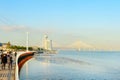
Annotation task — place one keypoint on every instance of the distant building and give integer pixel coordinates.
(47, 43)
(51, 45)
(4, 46)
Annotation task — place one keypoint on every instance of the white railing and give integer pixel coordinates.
(16, 65)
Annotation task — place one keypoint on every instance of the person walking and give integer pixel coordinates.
(10, 61)
(1, 61)
(4, 60)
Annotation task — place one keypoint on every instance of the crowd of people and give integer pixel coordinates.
(6, 59)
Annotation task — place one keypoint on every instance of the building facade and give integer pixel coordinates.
(47, 43)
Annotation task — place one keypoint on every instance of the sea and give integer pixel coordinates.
(73, 65)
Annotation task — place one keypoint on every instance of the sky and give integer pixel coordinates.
(93, 22)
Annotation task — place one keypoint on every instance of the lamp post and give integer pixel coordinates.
(27, 42)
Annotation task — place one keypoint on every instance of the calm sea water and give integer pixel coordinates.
(73, 65)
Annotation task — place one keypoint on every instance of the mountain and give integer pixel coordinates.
(74, 45)
(80, 45)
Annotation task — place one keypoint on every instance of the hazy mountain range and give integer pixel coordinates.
(75, 45)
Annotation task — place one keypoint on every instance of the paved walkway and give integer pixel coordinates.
(7, 74)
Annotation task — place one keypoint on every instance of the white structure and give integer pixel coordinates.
(27, 42)
(47, 43)
(51, 45)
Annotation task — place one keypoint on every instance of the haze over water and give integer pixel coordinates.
(93, 22)
(70, 24)
(73, 65)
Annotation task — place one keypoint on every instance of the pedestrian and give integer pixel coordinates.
(4, 60)
(1, 60)
(15, 54)
(10, 61)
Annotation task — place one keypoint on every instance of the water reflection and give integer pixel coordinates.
(67, 67)
(60, 60)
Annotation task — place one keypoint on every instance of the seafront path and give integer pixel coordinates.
(7, 74)
(13, 74)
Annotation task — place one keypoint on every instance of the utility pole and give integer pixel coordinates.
(27, 42)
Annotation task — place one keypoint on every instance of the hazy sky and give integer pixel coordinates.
(94, 22)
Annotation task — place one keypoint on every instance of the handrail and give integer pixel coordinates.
(16, 66)
(21, 58)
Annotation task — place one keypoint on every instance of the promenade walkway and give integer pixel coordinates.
(7, 74)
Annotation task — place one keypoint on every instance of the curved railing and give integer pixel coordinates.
(21, 58)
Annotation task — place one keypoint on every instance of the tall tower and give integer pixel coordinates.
(50, 45)
(45, 42)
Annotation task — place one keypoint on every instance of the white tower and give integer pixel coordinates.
(50, 44)
(45, 42)
(27, 41)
